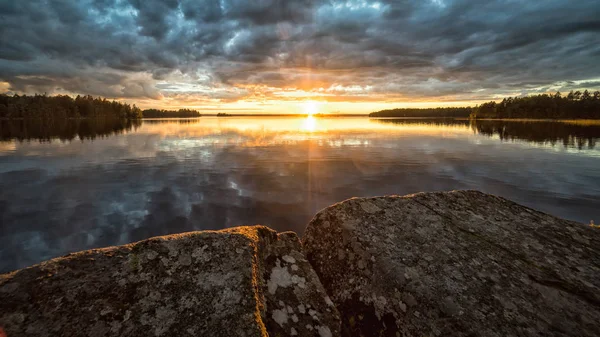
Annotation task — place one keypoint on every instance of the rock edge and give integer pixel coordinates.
(243, 281)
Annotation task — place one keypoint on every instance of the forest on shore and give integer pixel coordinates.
(575, 105)
(64, 106)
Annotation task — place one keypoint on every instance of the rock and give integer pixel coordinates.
(245, 281)
(459, 263)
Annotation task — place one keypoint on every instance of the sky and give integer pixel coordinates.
(295, 56)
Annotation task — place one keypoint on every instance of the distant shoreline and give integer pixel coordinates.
(284, 115)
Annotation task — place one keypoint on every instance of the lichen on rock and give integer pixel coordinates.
(295, 304)
(206, 283)
(458, 263)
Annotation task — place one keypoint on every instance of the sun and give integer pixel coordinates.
(310, 108)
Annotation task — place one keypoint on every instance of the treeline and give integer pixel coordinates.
(181, 113)
(576, 105)
(63, 106)
(428, 112)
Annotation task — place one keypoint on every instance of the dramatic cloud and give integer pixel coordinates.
(210, 53)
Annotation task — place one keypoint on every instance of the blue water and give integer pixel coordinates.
(62, 192)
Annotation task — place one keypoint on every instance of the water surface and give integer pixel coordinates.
(73, 185)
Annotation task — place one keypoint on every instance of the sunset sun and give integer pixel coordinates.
(310, 108)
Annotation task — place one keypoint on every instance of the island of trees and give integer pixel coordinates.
(575, 105)
(181, 113)
(63, 106)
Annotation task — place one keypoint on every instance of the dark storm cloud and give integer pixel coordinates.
(430, 48)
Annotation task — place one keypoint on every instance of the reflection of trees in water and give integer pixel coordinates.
(541, 132)
(172, 121)
(425, 121)
(64, 129)
(552, 132)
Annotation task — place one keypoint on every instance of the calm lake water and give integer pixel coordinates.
(74, 185)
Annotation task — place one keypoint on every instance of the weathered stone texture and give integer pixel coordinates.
(245, 281)
(459, 263)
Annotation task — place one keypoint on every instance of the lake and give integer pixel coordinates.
(78, 184)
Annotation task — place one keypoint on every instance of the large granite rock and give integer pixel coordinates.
(460, 263)
(247, 281)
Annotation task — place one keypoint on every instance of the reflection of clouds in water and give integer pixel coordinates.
(168, 178)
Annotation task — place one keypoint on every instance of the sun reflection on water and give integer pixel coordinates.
(309, 124)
